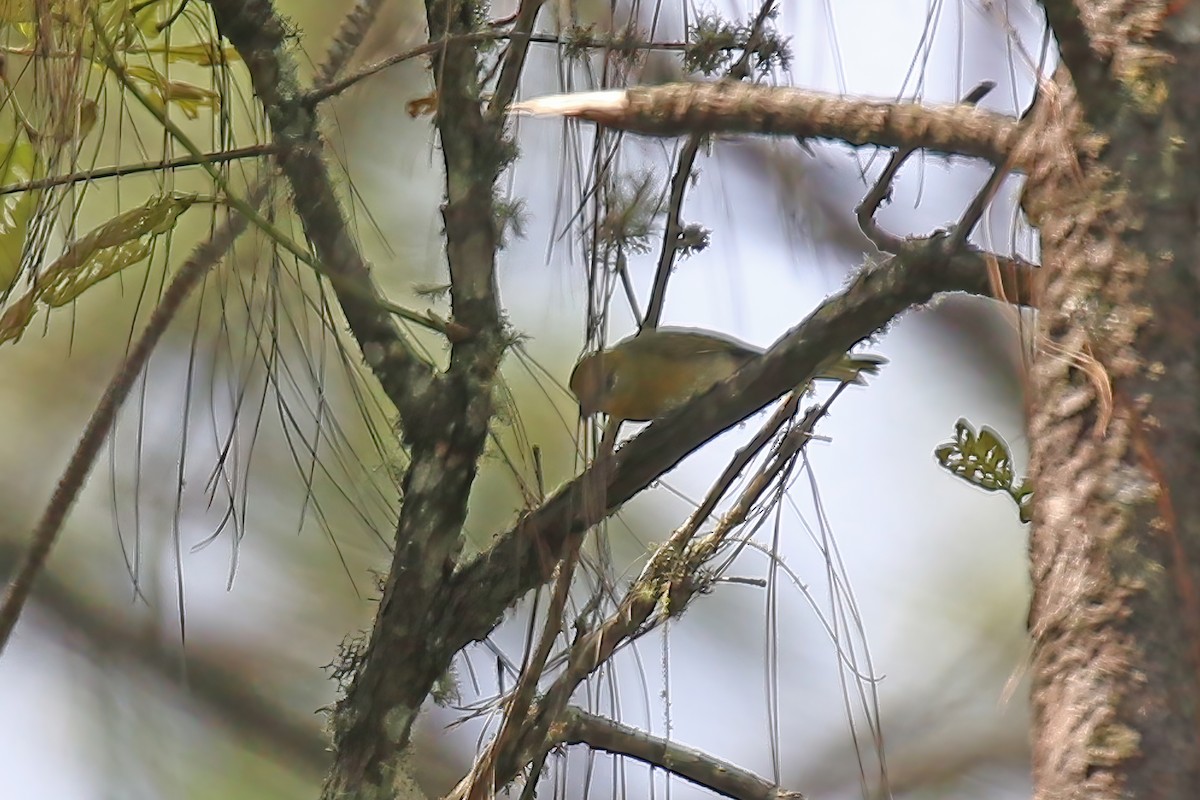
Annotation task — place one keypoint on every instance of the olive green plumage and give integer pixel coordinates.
(647, 375)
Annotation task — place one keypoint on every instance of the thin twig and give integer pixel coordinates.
(702, 769)
(216, 683)
(683, 177)
(514, 57)
(882, 190)
(332, 88)
(621, 45)
(667, 581)
(186, 279)
(121, 170)
(478, 783)
(974, 211)
(355, 26)
(189, 275)
(742, 458)
(874, 297)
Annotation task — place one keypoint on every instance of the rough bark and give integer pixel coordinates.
(1113, 427)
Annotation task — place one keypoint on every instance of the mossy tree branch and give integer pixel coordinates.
(430, 608)
(678, 109)
(516, 562)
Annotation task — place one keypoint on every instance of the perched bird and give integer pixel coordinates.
(647, 375)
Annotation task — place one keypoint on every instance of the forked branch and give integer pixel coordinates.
(702, 769)
(879, 293)
(667, 584)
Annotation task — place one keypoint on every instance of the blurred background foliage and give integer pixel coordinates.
(234, 534)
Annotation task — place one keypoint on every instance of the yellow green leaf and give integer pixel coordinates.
(77, 123)
(16, 317)
(145, 74)
(202, 54)
(189, 97)
(17, 11)
(88, 112)
(18, 163)
(191, 106)
(121, 242)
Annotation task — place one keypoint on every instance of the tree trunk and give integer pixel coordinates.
(1113, 428)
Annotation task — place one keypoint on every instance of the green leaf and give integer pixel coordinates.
(121, 242)
(980, 459)
(18, 164)
(189, 97)
(14, 12)
(202, 54)
(16, 317)
(983, 459)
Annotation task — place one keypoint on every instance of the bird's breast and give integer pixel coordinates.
(659, 385)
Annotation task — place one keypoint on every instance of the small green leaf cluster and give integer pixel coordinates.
(983, 459)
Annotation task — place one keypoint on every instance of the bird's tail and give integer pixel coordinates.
(854, 368)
